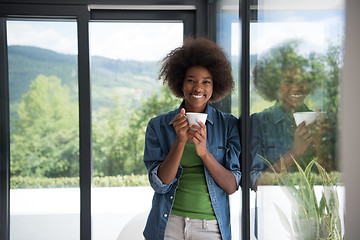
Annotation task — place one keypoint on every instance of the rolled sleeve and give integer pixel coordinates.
(257, 163)
(256, 167)
(156, 149)
(234, 150)
(237, 175)
(157, 184)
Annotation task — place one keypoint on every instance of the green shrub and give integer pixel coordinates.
(293, 178)
(18, 182)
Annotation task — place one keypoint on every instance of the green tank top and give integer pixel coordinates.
(192, 198)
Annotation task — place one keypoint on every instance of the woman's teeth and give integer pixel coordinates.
(297, 95)
(197, 96)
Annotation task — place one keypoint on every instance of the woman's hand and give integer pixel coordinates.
(302, 138)
(181, 126)
(222, 176)
(198, 136)
(318, 128)
(169, 167)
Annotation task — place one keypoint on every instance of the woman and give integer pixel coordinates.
(193, 169)
(286, 77)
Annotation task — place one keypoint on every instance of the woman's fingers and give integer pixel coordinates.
(181, 126)
(198, 132)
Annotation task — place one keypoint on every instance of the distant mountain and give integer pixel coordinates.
(26, 63)
(109, 78)
(126, 81)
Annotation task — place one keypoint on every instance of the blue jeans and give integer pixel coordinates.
(182, 228)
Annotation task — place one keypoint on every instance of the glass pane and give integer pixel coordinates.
(125, 95)
(228, 37)
(44, 161)
(296, 60)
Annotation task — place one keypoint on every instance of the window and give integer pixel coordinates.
(228, 37)
(44, 129)
(125, 61)
(295, 65)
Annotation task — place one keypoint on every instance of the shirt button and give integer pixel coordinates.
(165, 215)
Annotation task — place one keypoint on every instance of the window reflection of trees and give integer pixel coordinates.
(319, 74)
(309, 180)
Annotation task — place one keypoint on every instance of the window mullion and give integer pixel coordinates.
(4, 135)
(244, 7)
(84, 125)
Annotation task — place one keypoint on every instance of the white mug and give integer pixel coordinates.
(193, 116)
(307, 117)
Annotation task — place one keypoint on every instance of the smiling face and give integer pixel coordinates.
(292, 93)
(197, 88)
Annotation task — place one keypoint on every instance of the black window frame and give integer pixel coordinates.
(81, 15)
(245, 158)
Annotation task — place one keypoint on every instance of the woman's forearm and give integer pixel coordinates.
(222, 176)
(168, 169)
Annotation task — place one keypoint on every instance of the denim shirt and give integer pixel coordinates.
(272, 132)
(223, 142)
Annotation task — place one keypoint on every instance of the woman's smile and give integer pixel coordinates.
(197, 88)
(197, 96)
(296, 97)
(292, 94)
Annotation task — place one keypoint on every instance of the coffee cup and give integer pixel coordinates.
(308, 117)
(193, 117)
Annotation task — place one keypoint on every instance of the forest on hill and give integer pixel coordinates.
(44, 116)
(43, 88)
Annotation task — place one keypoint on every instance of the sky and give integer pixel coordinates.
(316, 31)
(152, 41)
(125, 41)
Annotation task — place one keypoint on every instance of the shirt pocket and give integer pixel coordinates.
(273, 153)
(220, 154)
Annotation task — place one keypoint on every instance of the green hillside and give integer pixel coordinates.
(110, 78)
(26, 63)
(44, 115)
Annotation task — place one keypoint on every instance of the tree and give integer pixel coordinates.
(322, 72)
(118, 140)
(151, 107)
(45, 138)
(109, 127)
(331, 86)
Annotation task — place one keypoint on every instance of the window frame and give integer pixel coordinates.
(49, 12)
(4, 136)
(245, 158)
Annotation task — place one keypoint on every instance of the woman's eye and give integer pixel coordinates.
(207, 82)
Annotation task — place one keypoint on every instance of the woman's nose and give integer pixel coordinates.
(197, 86)
(299, 85)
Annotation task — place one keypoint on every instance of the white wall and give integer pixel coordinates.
(350, 125)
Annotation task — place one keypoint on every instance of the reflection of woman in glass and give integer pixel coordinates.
(193, 172)
(287, 78)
